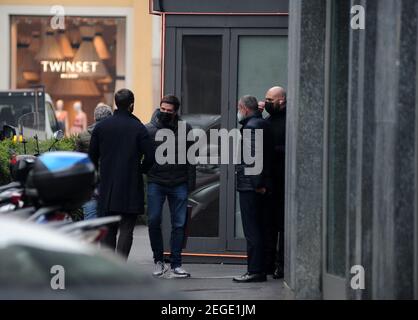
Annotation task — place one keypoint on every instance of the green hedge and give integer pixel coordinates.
(8, 147)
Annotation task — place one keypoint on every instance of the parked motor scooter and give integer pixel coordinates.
(12, 195)
(59, 182)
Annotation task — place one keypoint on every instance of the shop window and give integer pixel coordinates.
(80, 63)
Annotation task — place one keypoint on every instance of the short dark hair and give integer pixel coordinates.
(250, 102)
(171, 99)
(124, 98)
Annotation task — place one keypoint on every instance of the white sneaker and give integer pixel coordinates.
(179, 272)
(159, 269)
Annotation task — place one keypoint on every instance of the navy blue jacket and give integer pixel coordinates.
(122, 150)
(262, 180)
(171, 175)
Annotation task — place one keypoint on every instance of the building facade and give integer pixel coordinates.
(351, 197)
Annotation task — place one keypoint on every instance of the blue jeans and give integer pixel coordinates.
(177, 202)
(90, 209)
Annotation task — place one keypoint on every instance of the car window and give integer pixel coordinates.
(32, 121)
(10, 113)
(51, 116)
(14, 107)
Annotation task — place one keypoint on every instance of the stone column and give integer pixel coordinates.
(361, 148)
(305, 125)
(395, 154)
(382, 162)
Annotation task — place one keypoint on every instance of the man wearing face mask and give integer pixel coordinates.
(171, 181)
(121, 150)
(253, 188)
(273, 211)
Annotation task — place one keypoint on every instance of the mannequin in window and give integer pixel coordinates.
(62, 117)
(80, 120)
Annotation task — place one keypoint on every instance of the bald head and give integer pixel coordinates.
(276, 92)
(276, 97)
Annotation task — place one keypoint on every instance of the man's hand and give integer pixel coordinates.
(261, 190)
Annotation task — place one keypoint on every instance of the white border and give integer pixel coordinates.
(6, 11)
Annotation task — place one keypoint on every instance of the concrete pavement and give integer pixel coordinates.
(208, 281)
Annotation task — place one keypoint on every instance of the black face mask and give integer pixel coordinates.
(269, 107)
(165, 117)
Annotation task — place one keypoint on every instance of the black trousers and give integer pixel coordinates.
(273, 229)
(252, 226)
(126, 228)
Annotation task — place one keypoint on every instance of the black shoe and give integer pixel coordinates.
(278, 273)
(255, 277)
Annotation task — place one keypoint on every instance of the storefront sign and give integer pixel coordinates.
(69, 66)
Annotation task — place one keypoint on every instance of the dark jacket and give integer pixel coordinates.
(171, 175)
(82, 141)
(247, 182)
(122, 150)
(278, 129)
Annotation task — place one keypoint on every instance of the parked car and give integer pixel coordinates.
(31, 254)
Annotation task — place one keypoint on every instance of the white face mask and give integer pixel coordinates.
(240, 116)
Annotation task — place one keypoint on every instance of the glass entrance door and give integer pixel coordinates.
(201, 70)
(212, 68)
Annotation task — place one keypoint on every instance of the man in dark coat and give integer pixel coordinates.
(171, 181)
(122, 150)
(274, 206)
(253, 187)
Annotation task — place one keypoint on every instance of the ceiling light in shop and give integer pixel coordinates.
(65, 45)
(100, 45)
(87, 52)
(75, 37)
(25, 60)
(50, 50)
(31, 76)
(27, 69)
(77, 87)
